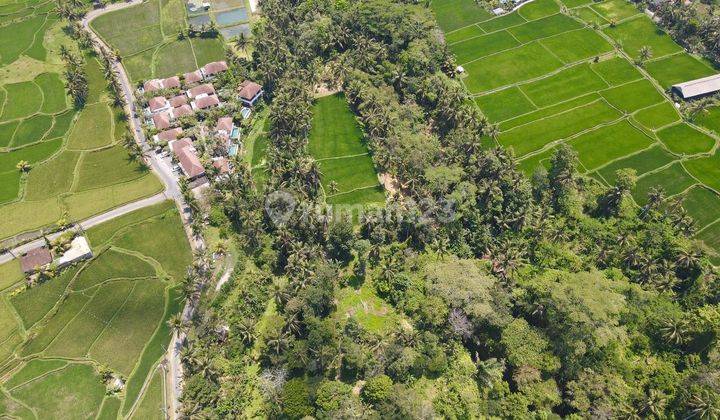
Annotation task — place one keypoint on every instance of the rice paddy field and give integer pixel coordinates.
(146, 36)
(565, 71)
(110, 312)
(78, 168)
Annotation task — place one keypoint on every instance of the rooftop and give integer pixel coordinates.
(187, 157)
(162, 120)
(37, 257)
(248, 90)
(157, 103)
(214, 67)
(79, 249)
(170, 134)
(204, 89)
(182, 110)
(698, 87)
(171, 82)
(206, 102)
(193, 77)
(152, 85)
(224, 124)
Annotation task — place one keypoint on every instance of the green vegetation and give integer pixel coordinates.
(685, 140)
(636, 33)
(672, 179)
(678, 68)
(119, 298)
(703, 205)
(608, 143)
(454, 14)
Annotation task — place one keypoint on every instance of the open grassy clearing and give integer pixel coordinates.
(710, 119)
(539, 9)
(574, 46)
(643, 162)
(93, 128)
(481, 46)
(454, 14)
(32, 130)
(152, 406)
(702, 204)
(636, 33)
(706, 169)
(616, 71)
(608, 143)
(685, 140)
(115, 301)
(673, 179)
(657, 116)
(53, 178)
(562, 86)
(336, 140)
(590, 16)
(9, 186)
(505, 104)
(711, 236)
(548, 111)
(678, 68)
(615, 10)
(633, 96)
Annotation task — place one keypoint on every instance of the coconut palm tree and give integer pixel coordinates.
(241, 42)
(644, 54)
(23, 166)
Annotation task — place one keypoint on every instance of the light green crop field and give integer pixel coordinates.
(567, 80)
(336, 141)
(40, 125)
(146, 36)
(120, 299)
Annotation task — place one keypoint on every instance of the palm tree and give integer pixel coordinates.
(241, 42)
(333, 187)
(23, 166)
(177, 324)
(644, 54)
(703, 406)
(674, 331)
(489, 371)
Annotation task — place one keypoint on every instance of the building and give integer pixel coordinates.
(226, 127)
(161, 120)
(222, 165)
(211, 69)
(152, 85)
(35, 258)
(249, 92)
(698, 87)
(168, 135)
(178, 100)
(192, 77)
(158, 104)
(187, 158)
(201, 90)
(205, 102)
(182, 111)
(171, 82)
(79, 250)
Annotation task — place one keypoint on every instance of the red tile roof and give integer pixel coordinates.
(162, 120)
(171, 82)
(224, 124)
(152, 85)
(188, 159)
(215, 67)
(182, 110)
(179, 100)
(248, 90)
(207, 102)
(157, 103)
(204, 89)
(193, 77)
(37, 257)
(170, 134)
(222, 164)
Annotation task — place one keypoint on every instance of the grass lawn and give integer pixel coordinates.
(706, 169)
(6, 132)
(131, 328)
(174, 58)
(107, 167)
(462, 34)
(615, 9)
(639, 32)
(454, 14)
(93, 128)
(685, 140)
(678, 68)
(101, 234)
(9, 186)
(112, 264)
(672, 179)
(539, 9)
(152, 237)
(633, 96)
(10, 274)
(533, 136)
(616, 71)
(32, 130)
(567, 84)
(152, 405)
(336, 140)
(366, 307)
(545, 27)
(110, 409)
(33, 369)
(643, 162)
(703, 205)
(502, 22)
(53, 178)
(16, 220)
(172, 16)
(128, 21)
(84, 204)
(657, 116)
(575, 3)
(53, 89)
(577, 45)
(502, 68)
(8, 322)
(607, 143)
(482, 46)
(550, 111)
(74, 392)
(34, 303)
(710, 119)
(504, 104)
(17, 37)
(335, 132)
(207, 50)
(590, 16)
(23, 99)
(711, 237)
(97, 84)
(139, 66)
(61, 124)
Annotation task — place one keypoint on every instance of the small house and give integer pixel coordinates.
(211, 69)
(186, 155)
(171, 82)
(201, 90)
(38, 257)
(205, 102)
(193, 77)
(249, 92)
(226, 127)
(168, 135)
(182, 111)
(79, 250)
(158, 104)
(161, 120)
(152, 85)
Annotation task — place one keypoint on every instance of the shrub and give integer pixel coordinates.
(377, 389)
(296, 399)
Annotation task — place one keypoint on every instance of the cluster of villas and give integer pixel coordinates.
(196, 93)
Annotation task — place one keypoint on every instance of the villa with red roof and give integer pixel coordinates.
(205, 102)
(168, 135)
(192, 77)
(211, 69)
(249, 92)
(201, 90)
(187, 158)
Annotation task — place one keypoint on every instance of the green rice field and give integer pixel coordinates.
(57, 336)
(549, 76)
(146, 36)
(77, 169)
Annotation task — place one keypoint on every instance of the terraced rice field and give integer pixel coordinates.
(109, 312)
(63, 145)
(146, 37)
(548, 77)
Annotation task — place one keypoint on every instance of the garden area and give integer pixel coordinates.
(548, 77)
(152, 40)
(61, 338)
(56, 159)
